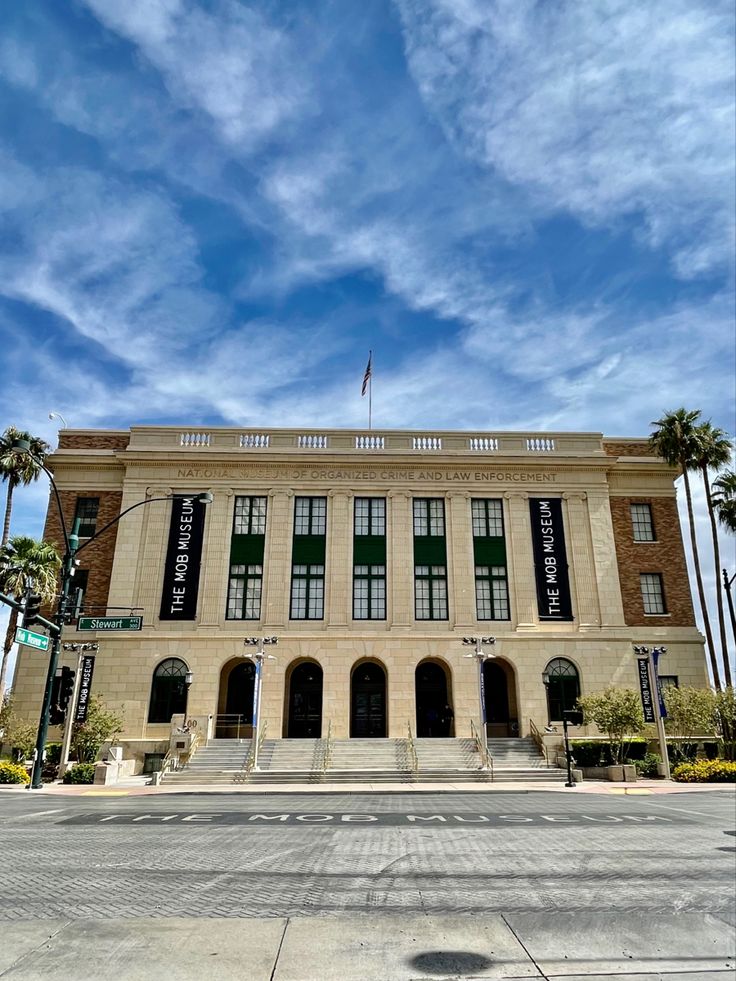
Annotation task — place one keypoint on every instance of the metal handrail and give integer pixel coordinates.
(327, 755)
(413, 758)
(486, 760)
(238, 722)
(538, 740)
(186, 758)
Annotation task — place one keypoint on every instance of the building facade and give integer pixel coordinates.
(370, 556)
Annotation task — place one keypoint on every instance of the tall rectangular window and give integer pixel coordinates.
(369, 558)
(244, 594)
(250, 516)
(652, 593)
(370, 516)
(491, 592)
(86, 511)
(429, 517)
(310, 515)
(430, 592)
(369, 592)
(430, 559)
(308, 558)
(247, 546)
(489, 552)
(641, 522)
(307, 592)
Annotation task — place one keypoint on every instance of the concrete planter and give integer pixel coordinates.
(629, 772)
(615, 773)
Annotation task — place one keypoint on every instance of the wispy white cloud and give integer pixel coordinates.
(604, 109)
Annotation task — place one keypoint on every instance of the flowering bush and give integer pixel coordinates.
(12, 772)
(706, 771)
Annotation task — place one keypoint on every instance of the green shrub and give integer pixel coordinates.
(706, 771)
(590, 752)
(682, 752)
(13, 772)
(637, 750)
(80, 773)
(53, 754)
(647, 766)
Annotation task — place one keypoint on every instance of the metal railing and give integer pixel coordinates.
(538, 741)
(413, 758)
(327, 753)
(186, 758)
(233, 724)
(486, 760)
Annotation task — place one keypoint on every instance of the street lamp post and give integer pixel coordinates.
(651, 657)
(481, 657)
(72, 548)
(258, 657)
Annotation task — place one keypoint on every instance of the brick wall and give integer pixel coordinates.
(665, 556)
(97, 558)
(92, 441)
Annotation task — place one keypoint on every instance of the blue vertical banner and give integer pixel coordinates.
(482, 691)
(662, 706)
(256, 695)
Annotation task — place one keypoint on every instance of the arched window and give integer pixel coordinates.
(168, 691)
(563, 687)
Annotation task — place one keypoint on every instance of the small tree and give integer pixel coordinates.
(618, 713)
(14, 733)
(690, 711)
(88, 737)
(725, 712)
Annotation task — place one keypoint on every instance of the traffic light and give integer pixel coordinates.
(573, 717)
(32, 609)
(56, 714)
(66, 688)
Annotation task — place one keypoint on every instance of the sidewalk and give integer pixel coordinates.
(125, 789)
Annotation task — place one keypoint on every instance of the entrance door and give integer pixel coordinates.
(305, 702)
(368, 702)
(497, 699)
(434, 715)
(237, 719)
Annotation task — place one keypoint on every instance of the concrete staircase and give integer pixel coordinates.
(364, 761)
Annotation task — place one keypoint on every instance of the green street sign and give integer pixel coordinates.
(39, 642)
(110, 623)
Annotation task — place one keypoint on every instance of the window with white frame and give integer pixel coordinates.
(429, 517)
(370, 516)
(310, 515)
(652, 593)
(641, 522)
(487, 518)
(250, 516)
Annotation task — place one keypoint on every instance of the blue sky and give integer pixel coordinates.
(210, 211)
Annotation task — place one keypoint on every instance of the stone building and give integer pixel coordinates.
(370, 556)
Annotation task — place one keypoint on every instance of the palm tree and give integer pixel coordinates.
(677, 441)
(715, 452)
(724, 499)
(21, 468)
(24, 563)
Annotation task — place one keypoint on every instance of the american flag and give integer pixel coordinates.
(367, 375)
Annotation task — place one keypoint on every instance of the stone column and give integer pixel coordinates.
(461, 561)
(401, 556)
(338, 584)
(580, 551)
(277, 570)
(523, 589)
(604, 558)
(216, 558)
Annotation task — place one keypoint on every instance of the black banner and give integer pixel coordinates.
(85, 687)
(183, 557)
(550, 559)
(646, 690)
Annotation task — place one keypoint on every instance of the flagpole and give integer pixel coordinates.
(370, 399)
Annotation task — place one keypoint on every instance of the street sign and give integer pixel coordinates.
(39, 642)
(110, 623)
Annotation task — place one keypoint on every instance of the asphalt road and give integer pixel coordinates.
(368, 887)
